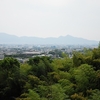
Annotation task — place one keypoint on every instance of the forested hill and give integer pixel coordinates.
(44, 78)
(12, 39)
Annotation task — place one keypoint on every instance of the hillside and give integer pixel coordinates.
(12, 39)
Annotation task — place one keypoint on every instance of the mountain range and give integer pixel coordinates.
(65, 40)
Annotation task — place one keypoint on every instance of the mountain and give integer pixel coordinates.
(12, 39)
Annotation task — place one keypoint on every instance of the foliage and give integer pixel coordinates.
(56, 93)
(40, 66)
(9, 78)
(43, 78)
(95, 95)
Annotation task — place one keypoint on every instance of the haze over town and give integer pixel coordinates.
(51, 18)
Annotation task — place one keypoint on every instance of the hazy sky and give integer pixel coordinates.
(51, 18)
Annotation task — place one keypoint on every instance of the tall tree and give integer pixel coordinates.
(9, 79)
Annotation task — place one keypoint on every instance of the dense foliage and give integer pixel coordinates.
(43, 78)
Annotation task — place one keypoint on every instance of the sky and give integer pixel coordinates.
(51, 18)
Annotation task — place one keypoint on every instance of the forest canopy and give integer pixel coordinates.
(44, 78)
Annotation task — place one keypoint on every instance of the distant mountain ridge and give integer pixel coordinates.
(66, 40)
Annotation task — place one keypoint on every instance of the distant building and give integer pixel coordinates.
(1, 56)
(36, 53)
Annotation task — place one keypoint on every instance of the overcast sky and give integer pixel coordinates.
(51, 18)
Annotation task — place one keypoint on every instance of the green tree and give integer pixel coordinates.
(25, 69)
(33, 95)
(56, 93)
(9, 79)
(67, 86)
(95, 95)
(78, 59)
(40, 66)
(96, 58)
(85, 78)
